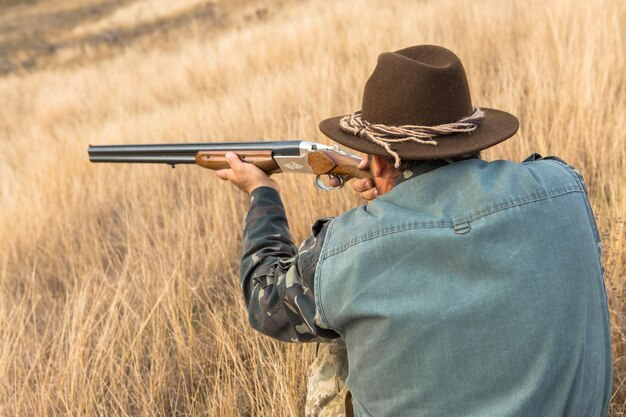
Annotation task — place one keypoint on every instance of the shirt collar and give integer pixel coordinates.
(422, 167)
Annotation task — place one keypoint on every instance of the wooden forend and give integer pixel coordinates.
(217, 160)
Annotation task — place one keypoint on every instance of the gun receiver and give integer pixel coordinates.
(271, 157)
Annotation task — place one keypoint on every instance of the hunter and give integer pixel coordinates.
(464, 287)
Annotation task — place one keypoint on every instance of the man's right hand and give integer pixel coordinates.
(365, 186)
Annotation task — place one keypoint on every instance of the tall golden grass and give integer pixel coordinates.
(119, 288)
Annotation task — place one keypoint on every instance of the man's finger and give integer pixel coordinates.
(361, 185)
(224, 174)
(333, 182)
(369, 195)
(364, 165)
(233, 160)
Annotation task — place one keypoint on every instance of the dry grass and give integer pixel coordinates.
(137, 13)
(118, 284)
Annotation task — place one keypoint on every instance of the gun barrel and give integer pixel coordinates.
(184, 153)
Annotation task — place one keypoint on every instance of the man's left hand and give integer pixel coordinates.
(245, 176)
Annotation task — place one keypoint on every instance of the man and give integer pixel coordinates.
(463, 288)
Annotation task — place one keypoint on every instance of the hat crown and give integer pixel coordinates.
(421, 85)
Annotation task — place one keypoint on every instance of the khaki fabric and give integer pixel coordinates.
(327, 393)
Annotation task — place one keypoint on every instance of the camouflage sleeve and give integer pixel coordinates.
(276, 277)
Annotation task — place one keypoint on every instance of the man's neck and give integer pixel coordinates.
(419, 168)
(422, 167)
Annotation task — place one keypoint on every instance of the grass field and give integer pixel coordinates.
(119, 291)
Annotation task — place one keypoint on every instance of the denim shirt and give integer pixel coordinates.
(474, 289)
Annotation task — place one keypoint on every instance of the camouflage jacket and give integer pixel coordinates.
(277, 277)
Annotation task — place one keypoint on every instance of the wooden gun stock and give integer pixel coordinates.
(335, 163)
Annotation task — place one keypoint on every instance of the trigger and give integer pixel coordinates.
(320, 184)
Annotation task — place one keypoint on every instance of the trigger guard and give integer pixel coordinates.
(324, 187)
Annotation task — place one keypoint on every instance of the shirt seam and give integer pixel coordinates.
(317, 284)
(449, 223)
(590, 217)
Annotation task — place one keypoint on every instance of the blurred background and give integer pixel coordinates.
(119, 290)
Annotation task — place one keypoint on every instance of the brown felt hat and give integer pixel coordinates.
(422, 85)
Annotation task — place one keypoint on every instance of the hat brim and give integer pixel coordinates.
(496, 127)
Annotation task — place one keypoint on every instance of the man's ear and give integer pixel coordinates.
(378, 165)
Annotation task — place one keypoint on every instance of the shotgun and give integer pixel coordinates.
(271, 157)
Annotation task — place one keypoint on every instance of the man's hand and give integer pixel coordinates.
(245, 176)
(365, 186)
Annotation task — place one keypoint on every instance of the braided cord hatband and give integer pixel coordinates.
(385, 135)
